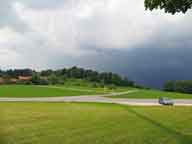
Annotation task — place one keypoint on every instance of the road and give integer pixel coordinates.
(99, 98)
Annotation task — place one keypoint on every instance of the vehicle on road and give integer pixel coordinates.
(165, 101)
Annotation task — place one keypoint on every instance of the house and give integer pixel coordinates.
(24, 78)
(1, 80)
(13, 80)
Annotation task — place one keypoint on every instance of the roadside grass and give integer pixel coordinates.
(40, 91)
(154, 94)
(72, 90)
(83, 84)
(99, 89)
(53, 90)
(93, 123)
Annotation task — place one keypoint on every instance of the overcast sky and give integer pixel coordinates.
(115, 35)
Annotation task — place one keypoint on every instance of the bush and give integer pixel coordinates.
(43, 82)
(169, 86)
(111, 87)
(139, 86)
(53, 79)
(94, 85)
(183, 86)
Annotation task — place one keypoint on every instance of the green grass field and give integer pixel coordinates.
(92, 123)
(39, 91)
(52, 91)
(154, 94)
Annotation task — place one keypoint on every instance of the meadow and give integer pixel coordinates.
(43, 91)
(93, 123)
(55, 90)
(147, 94)
(75, 90)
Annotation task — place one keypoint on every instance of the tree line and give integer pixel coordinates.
(183, 86)
(59, 76)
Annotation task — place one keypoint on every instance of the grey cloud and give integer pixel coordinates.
(117, 36)
(9, 17)
(44, 4)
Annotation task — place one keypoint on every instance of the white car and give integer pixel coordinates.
(165, 101)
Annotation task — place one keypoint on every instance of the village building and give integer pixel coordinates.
(1, 80)
(13, 80)
(24, 78)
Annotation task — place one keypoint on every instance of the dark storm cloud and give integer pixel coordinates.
(148, 66)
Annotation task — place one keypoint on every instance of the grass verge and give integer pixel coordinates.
(154, 94)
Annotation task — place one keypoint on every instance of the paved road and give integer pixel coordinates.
(99, 98)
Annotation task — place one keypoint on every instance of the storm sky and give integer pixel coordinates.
(108, 35)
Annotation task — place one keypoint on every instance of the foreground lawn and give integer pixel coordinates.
(38, 91)
(154, 94)
(83, 123)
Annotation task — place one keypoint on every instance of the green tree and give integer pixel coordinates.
(46, 72)
(35, 78)
(184, 86)
(169, 6)
(169, 86)
(53, 79)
